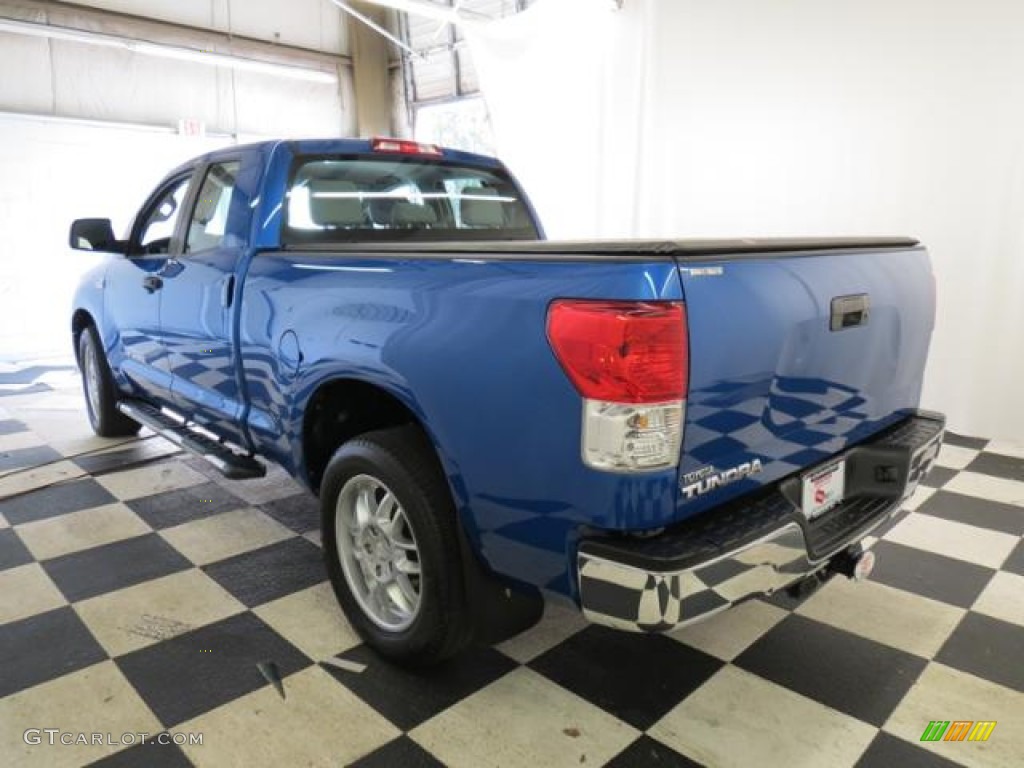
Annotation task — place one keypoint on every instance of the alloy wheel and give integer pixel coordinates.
(378, 553)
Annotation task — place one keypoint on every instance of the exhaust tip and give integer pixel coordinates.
(853, 565)
(863, 565)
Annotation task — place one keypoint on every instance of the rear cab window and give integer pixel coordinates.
(356, 198)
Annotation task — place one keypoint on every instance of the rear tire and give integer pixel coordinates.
(391, 545)
(99, 389)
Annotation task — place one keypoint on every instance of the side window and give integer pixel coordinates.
(209, 221)
(158, 227)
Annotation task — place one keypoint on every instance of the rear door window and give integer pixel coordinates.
(208, 226)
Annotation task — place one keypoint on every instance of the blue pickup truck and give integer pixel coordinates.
(654, 431)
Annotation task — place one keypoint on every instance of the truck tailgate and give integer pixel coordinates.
(793, 357)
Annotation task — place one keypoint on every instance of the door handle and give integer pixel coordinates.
(228, 292)
(152, 283)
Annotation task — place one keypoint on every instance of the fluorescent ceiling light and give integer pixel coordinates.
(146, 48)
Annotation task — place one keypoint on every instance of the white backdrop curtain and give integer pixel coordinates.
(688, 118)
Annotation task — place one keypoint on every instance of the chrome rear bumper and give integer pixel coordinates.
(756, 545)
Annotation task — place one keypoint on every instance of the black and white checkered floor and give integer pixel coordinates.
(144, 600)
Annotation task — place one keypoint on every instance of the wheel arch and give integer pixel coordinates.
(344, 407)
(500, 608)
(80, 320)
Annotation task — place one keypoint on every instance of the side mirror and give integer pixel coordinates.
(94, 235)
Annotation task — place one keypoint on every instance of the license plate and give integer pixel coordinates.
(823, 489)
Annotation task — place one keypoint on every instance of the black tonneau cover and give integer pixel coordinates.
(612, 250)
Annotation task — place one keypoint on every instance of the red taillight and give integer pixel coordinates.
(404, 147)
(622, 351)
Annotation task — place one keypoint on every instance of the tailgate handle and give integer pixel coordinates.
(849, 311)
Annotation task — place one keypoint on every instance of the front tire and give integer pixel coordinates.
(99, 389)
(391, 546)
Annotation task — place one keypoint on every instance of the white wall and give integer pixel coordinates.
(80, 80)
(314, 24)
(56, 171)
(792, 117)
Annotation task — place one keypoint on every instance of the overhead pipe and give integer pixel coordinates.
(446, 14)
(345, 7)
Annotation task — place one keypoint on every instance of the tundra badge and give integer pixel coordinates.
(702, 481)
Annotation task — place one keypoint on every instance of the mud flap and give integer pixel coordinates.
(499, 609)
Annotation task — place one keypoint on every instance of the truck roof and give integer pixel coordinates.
(335, 146)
